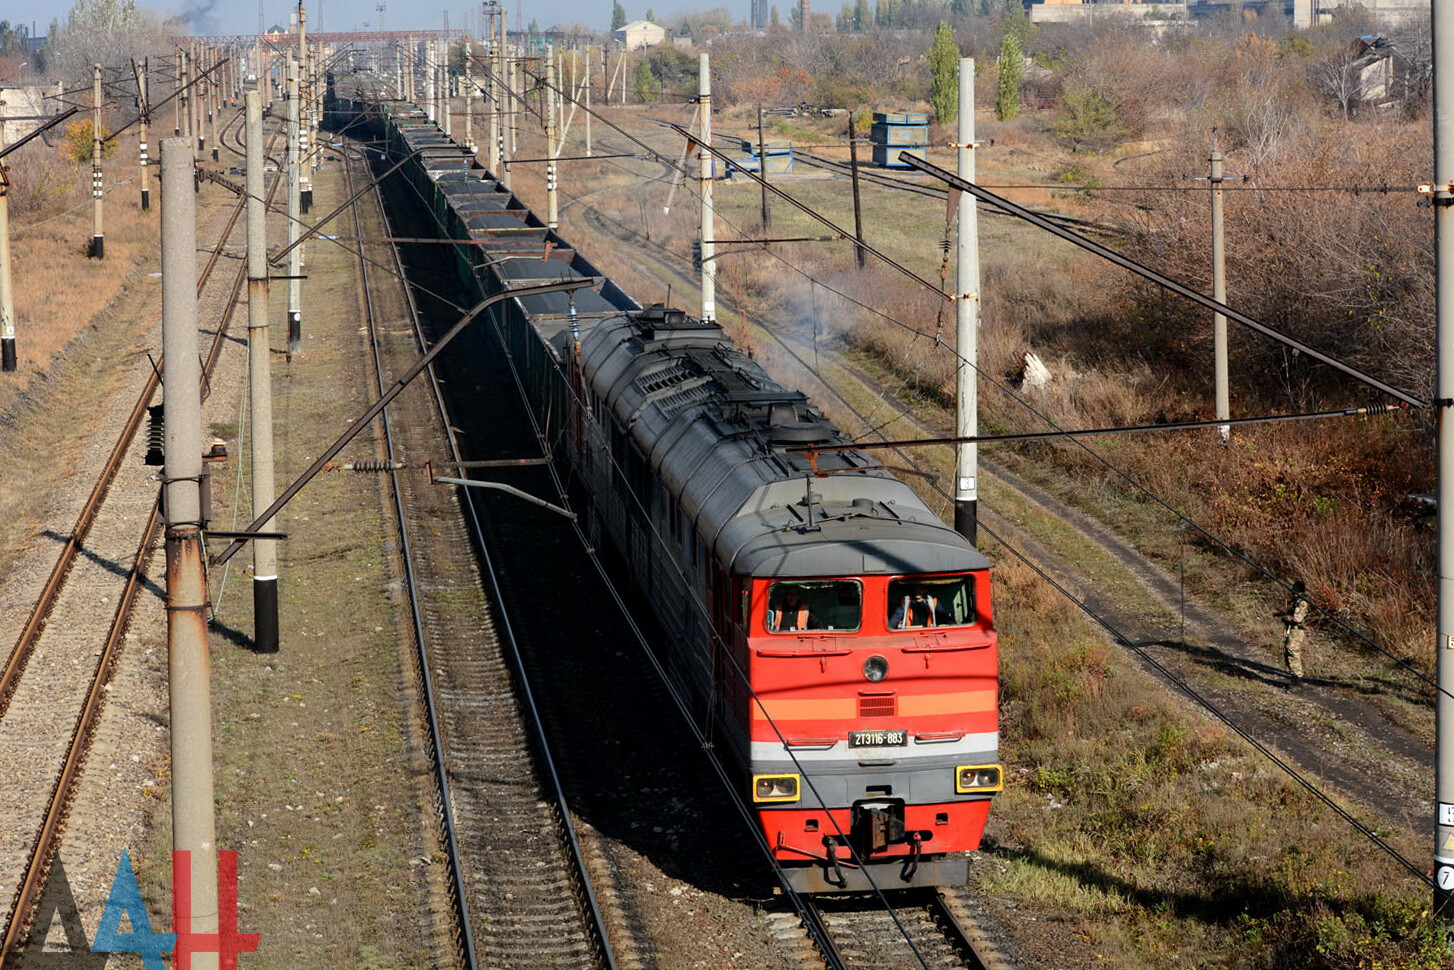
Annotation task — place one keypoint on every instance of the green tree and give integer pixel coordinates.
(648, 88)
(944, 75)
(650, 14)
(862, 15)
(1090, 119)
(774, 20)
(844, 21)
(1012, 72)
(795, 16)
(618, 17)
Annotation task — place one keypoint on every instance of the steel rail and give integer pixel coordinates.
(817, 929)
(939, 908)
(411, 584)
(47, 840)
(43, 851)
(597, 927)
(35, 625)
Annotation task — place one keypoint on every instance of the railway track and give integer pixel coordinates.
(56, 678)
(926, 930)
(515, 853)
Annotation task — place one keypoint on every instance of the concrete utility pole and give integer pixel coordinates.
(214, 102)
(517, 77)
(179, 69)
(1443, 199)
(194, 110)
(552, 198)
(142, 84)
(859, 253)
(429, 106)
(505, 106)
(469, 100)
(98, 237)
(1219, 293)
(446, 93)
(762, 169)
(709, 265)
(967, 305)
(590, 59)
(7, 304)
(188, 664)
(303, 109)
(295, 202)
(204, 99)
(495, 90)
(259, 382)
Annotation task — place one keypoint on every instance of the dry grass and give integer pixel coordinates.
(1144, 836)
(1149, 837)
(57, 289)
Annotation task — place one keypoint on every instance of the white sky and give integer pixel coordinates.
(240, 16)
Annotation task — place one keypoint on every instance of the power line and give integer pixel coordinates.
(1208, 705)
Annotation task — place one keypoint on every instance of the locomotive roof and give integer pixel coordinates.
(715, 429)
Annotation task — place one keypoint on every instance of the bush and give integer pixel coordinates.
(76, 142)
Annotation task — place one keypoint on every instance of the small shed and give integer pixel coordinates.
(640, 33)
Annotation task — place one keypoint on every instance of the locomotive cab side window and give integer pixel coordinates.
(918, 602)
(814, 605)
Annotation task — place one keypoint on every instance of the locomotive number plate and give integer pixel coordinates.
(877, 739)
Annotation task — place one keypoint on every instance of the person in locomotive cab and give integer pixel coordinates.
(919, 609)
(791, 613)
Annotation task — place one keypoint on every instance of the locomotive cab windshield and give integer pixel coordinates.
(824, 605)
(916, 602)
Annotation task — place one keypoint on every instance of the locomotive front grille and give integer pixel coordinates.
(877, 705)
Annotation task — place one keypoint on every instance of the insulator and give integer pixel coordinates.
(1373, 410)
(155, 435)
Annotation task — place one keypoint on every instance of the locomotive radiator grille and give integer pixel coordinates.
(877, 705)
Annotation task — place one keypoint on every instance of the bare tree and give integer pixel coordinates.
(1339, 75)
(1413, 39)
(105, 32)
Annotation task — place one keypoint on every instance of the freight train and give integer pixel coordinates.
(835, 635)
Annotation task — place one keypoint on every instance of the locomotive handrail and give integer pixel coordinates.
(945, 647)
(802, 651)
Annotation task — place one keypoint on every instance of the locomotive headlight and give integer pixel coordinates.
(774, 788)
(977, 779)
(875, 668)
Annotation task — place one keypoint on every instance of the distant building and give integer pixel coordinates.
(640, 33)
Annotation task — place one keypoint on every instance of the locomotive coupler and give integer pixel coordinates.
(877, 825)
